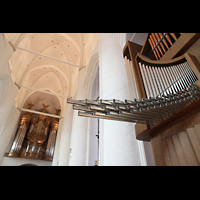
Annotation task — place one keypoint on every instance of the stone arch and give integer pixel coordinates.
(91, 73)
(45, 89)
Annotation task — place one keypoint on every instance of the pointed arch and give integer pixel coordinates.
(44, 89)
(91, 72)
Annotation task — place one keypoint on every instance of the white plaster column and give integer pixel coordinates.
(92, 144)
(8, 113)
(57, 145)
(63, 142)
(78, 143)
(6, 51)
(118, 144)
(121, 38)
(6, 86)
(8, 131)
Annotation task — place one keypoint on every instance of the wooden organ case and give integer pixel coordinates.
(36, 136)
(166, 71)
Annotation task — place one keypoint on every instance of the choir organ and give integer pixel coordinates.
(36, 136)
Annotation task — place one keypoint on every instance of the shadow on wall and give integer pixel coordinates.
(28, 165)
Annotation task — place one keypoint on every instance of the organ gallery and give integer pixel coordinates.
(36, 136)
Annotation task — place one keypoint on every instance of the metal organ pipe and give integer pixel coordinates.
(39, 127)
(52, 139)
(131, 79)
(154, 82)
(51, 143)
(28, 147)
(134, 82)
(128, 76)
(150, 110)
(168, 89)
(146, 72)
(22, 136)
(18, 141)
(167, 79)
(46, 130)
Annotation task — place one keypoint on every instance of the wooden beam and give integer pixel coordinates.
(40, 113)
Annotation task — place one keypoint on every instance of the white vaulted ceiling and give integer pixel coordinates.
(37, 71)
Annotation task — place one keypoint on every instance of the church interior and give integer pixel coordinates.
(99, 99)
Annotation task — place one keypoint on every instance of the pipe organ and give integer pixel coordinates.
(171, 73)
(164, 83)
(36, 136)
(168, 87)
(151, 111)
(160, 43)
(166, 79)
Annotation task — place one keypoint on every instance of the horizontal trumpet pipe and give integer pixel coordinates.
(85, 114)
(118, 101)
(106, 102)
(79, 102)
(83, 108)
(92, 102)
(116, 115)
(92, 107)
(141, 116)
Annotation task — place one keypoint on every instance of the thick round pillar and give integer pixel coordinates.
(62, 148)
(118, 144)
(79, 132)
(78, 146)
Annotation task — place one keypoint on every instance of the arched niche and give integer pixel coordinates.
(39, 98)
